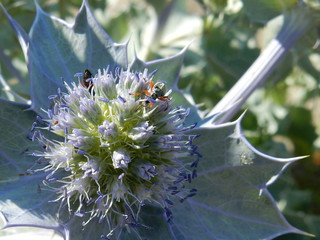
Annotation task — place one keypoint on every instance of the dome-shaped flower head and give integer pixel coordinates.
(123, 145)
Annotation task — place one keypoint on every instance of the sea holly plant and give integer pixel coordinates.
(112, 149)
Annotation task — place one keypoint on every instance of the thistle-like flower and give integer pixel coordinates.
(123, 145)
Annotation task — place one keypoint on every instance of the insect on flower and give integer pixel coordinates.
(116, 166)
(156, 91)
(87, 80)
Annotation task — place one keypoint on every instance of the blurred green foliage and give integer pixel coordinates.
(282, 117)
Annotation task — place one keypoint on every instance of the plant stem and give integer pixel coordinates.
(296, 22)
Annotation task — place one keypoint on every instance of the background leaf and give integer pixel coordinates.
(264, 10)
(232, 201)
(24, 200)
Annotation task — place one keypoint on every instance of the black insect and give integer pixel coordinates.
(87, 80)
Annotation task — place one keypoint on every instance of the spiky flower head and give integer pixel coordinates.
(123, 145)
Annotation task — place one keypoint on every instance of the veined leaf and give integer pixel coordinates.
(232, 201)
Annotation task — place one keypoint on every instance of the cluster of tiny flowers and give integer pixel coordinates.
(122, 145)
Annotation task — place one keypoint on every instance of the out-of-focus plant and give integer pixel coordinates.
(117, 152)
